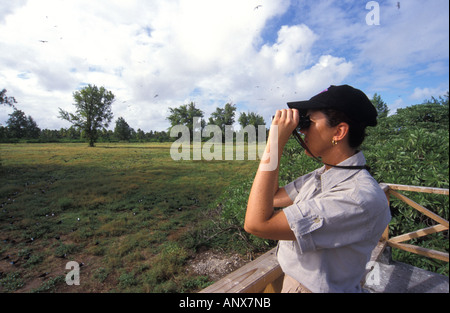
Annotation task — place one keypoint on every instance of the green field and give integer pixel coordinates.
(127, 213)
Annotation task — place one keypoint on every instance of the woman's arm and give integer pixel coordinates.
(281, 199)
(261, 219)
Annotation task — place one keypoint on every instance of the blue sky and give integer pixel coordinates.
(257, 54)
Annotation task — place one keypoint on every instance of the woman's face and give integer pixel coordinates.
(319, 135)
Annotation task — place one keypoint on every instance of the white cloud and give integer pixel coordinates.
(152, 56)
(398, 103)
(408, 47)
(8, 7)
(421, 94)
(292, 51)
(158, 54)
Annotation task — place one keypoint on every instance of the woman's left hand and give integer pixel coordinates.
(286, 120)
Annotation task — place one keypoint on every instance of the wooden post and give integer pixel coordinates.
(386, 189)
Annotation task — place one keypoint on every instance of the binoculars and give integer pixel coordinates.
(303, 123)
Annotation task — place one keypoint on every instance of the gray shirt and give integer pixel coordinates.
(338, 217)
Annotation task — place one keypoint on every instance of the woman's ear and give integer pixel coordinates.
(341, 131)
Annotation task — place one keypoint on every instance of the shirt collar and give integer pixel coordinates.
(334, 176)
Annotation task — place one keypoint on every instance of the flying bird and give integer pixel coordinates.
(43, 41)
(257, 7)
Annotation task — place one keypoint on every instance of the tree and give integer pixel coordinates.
(140, 135)
(442, 100)
(380, 106)
(431, 116)
(93, 111)
(22, 126)
(251, 119)
(223, 117)
(122, 130)
(9, 101)
(184, 115)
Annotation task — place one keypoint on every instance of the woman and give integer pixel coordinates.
(333, 217)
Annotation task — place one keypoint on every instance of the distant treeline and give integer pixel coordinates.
(74, 135)
(22, 128)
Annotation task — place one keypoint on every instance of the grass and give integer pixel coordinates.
(123, 211)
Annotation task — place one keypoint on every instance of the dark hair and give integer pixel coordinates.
(357, 131)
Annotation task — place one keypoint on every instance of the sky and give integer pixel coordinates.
(257, 54)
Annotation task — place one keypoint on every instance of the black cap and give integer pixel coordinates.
(351, 101)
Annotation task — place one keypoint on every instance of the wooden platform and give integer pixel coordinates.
(385, 276)
(262, 275)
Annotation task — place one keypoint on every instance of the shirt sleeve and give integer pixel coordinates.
(293, 188)
(303, 226)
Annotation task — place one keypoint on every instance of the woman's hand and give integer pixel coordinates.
(286, 120)
(283, 124)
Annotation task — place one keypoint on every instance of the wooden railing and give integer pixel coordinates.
(265, 275)
(398, 241)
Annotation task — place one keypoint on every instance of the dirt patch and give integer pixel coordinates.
(215, 264)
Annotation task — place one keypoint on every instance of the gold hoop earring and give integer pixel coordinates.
(334, 142)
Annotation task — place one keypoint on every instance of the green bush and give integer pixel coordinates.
(11, 282)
